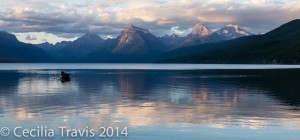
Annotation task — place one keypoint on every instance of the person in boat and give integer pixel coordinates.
(65, 76)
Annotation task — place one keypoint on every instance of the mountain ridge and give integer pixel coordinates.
(201, 34)
(12, 50)
(136, 44)
(279, 46)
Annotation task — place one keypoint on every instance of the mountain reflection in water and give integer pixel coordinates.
(250, 99)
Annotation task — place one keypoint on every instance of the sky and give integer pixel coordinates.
(37, 21)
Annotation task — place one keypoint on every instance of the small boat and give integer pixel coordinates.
(65, 77)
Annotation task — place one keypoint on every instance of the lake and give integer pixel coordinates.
(153, 101)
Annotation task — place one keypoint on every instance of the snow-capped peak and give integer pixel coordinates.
(200, 30)
(232, 31)
(236, 27)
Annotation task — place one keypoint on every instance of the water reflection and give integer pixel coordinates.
(221, 99)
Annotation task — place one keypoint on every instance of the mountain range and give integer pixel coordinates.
(230, 44)
(13, 50)
(134, 44)
(279, 46)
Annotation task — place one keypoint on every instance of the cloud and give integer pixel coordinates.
(29, 37)
(108, 18)
(178, 31)
(40, 37)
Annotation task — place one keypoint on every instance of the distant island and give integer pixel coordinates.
(230, 44)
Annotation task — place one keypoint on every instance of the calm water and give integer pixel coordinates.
(167, 102)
